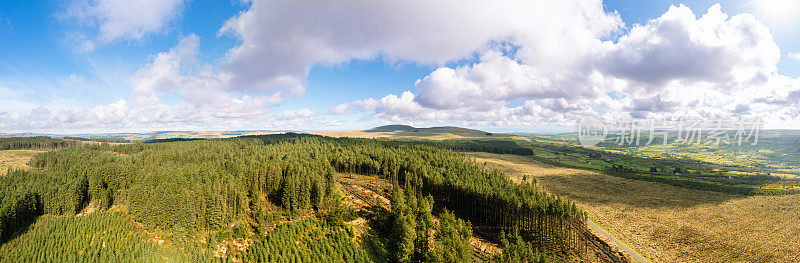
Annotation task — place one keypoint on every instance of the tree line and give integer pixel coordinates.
(37, 142)
(109, 140)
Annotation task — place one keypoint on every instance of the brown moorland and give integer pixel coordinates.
(671, 224)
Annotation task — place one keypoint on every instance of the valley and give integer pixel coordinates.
(499, 197)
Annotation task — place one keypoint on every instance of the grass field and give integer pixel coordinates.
(671, 224)
(692, 173)
(776, 151)
(14, 158)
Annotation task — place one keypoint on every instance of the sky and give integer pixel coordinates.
(91, 66)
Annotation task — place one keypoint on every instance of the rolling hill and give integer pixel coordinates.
(410, 132)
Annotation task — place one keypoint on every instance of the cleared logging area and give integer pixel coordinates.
(671, 224)
(11, 159)
(372, 196)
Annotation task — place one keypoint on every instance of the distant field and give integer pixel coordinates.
(188, 134)
(777, 151)
(685, 172)
(354, 134)
(398, 135)
(14, 158)
(671, 224)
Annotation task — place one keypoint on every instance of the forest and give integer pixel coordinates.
(271, 198)
(38, 142)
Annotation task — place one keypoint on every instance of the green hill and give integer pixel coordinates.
(391, 128)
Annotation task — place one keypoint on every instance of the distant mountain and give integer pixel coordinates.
(387, 131)
(156, 135)
(391, 128)
(410, 132)
(413, 131)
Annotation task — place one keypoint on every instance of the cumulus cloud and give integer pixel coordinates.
(165, 73)
(674, 66)
(281, 40)
(537, 61)
(111, 20)
(405, 109)
(679, 47)
(296, 114)
(203, 102)
(495, 81)
(198, 85)
(353, 106)
(272, 59)
(340, 109)
(794, 56)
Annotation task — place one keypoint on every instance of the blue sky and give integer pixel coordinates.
(113, 66)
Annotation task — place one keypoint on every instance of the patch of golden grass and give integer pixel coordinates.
(13, 158)
(354, 134)
(671, 224)
(411, 135)
(388, 135)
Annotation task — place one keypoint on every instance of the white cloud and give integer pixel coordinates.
(679, 47)
(538, 62)
(281, 40)
(273, 59)
(111, 20)
(165, 73)
(340, 109)
(359, 105)
(495, 81)
(794, 55)
(203, 102)
(674, 66)
(296, 114)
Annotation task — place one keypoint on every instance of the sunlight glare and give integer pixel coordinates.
(779, 9)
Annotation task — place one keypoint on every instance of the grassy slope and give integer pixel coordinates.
(672, 224)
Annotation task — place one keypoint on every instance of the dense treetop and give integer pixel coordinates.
(222, 185)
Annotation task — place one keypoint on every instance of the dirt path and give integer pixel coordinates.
(616, 242)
